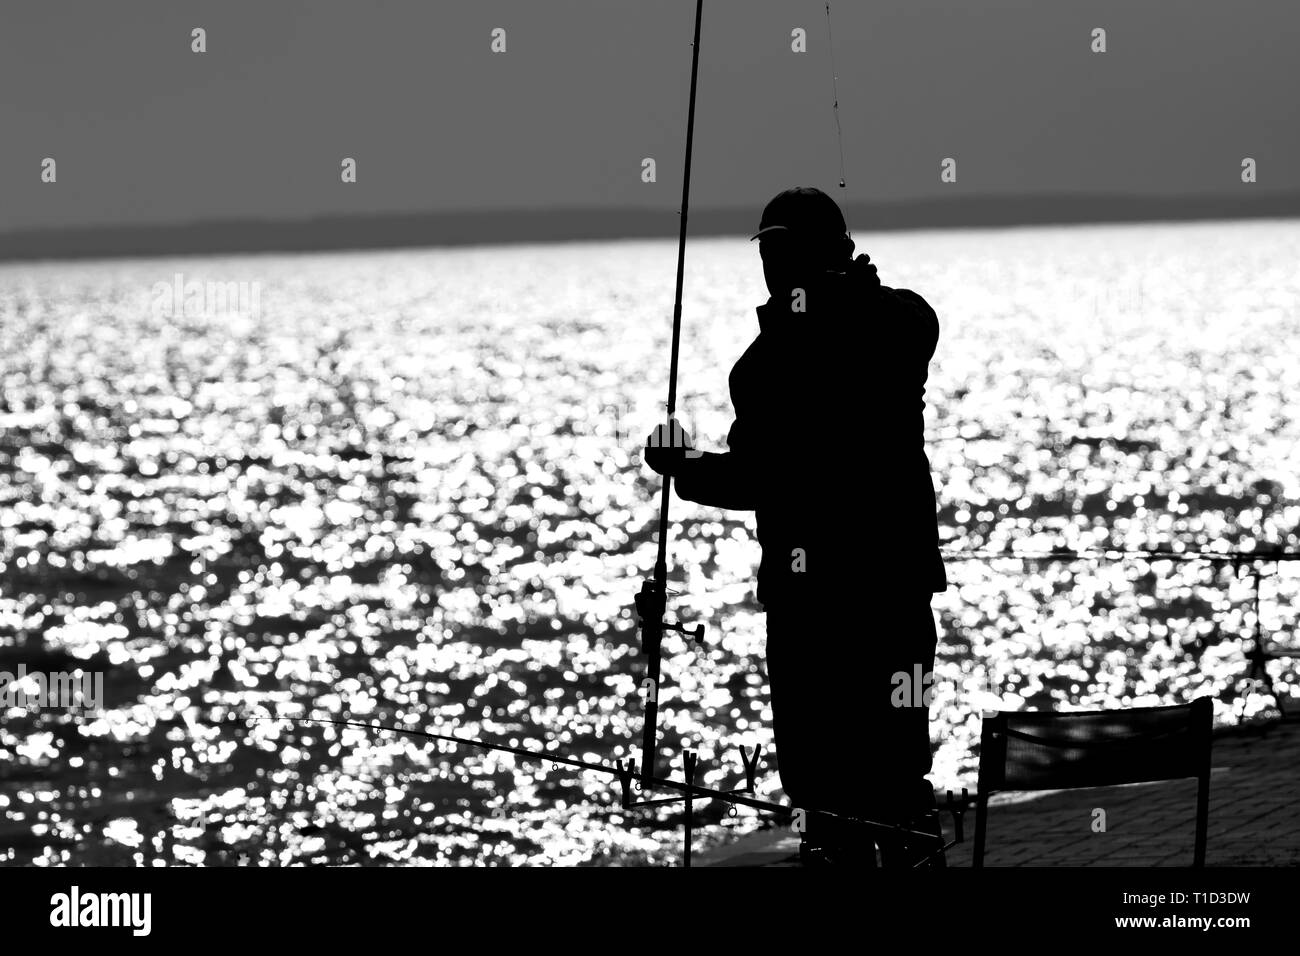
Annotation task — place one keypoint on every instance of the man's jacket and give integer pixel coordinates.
(827, 447)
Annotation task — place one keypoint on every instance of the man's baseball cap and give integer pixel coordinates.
(804, 210)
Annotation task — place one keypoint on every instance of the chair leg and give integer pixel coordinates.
(1202, 819)
(981, 812)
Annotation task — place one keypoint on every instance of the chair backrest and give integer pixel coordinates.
(1043, 750)
(1036, 750)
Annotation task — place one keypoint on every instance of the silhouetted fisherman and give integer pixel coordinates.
(827, 449)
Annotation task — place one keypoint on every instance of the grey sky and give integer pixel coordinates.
(146, 131)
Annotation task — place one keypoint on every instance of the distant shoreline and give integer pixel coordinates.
(395, 230)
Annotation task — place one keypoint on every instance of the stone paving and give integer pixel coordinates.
(1254, 817)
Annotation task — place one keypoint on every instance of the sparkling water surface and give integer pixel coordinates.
(404, 487)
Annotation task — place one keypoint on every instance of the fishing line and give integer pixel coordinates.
(835, 90)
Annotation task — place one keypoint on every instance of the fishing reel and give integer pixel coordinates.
(651, 603)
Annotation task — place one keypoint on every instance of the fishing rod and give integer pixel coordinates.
(1236, 558)
(689, 790)
(623, 772)
(1259, 654)
(651, 601)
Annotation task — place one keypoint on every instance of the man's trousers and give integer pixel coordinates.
(850, 705)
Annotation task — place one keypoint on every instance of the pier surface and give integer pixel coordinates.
(1254, 820)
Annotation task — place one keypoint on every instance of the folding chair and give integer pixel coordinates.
(1043, 750)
